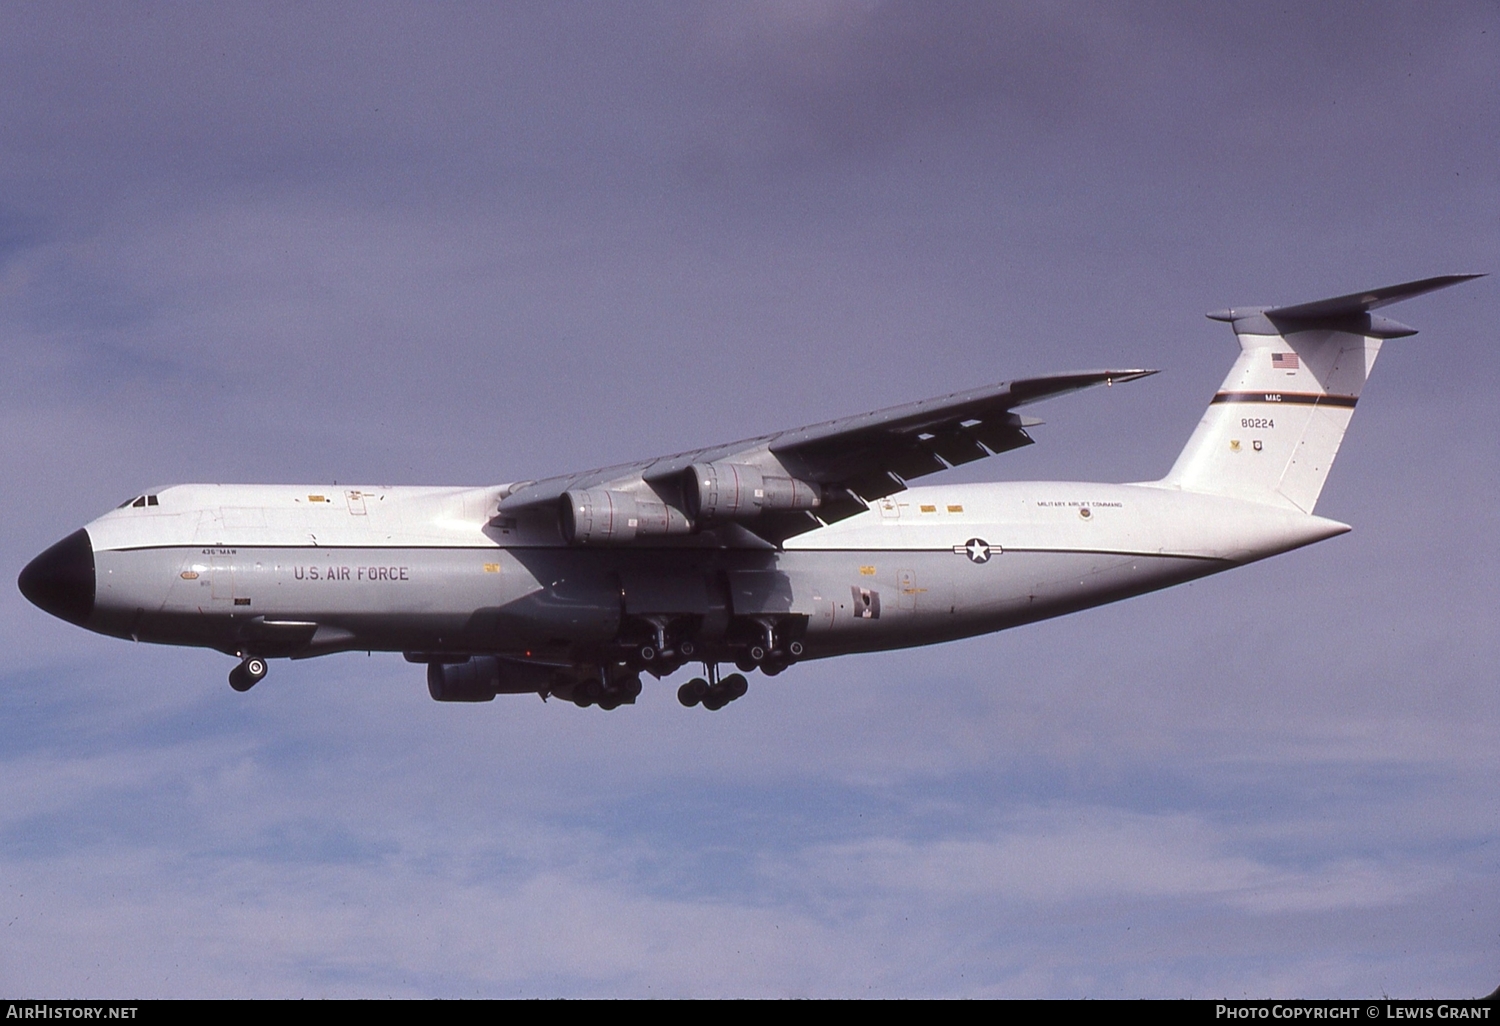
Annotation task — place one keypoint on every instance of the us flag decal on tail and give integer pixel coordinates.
(1284, 361)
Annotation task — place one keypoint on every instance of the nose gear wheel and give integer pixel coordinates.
(248, 674)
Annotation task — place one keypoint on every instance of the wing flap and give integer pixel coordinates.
(958, 447)
(911, 460)
(1000, 437)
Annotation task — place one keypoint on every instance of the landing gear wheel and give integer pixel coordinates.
(623, 690)
(693, 692)
(630, 689)
(248, 674)
(717, 696)
(587, 693)
(735, 686)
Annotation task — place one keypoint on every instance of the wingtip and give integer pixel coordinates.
(1444, 281)
(1109, 377)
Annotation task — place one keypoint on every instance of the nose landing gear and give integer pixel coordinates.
(248, 674)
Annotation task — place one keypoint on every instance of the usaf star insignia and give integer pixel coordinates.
(977, 549)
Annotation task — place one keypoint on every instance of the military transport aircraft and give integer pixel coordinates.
(761, 553)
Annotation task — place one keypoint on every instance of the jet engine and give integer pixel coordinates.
(481, 678)
(738, 491)
(598, 516)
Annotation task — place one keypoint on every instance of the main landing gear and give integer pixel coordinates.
(608, 690)
(248, 674)
(770, 650)
(713, 694)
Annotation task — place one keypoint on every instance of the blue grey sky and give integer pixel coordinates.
(409, 244)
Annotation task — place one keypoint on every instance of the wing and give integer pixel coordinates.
(825, 472)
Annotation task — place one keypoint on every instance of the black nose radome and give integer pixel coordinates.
(61, 580)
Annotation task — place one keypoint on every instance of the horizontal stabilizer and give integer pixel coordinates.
(1349, 312)
(1364, 302)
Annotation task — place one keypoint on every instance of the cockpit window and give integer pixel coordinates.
(138, 502)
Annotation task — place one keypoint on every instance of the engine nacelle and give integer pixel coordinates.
(481, 678)
(598, 516)
(737, 491)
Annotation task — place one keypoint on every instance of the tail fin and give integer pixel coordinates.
(1273, 429)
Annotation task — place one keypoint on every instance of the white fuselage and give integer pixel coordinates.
(302, 570)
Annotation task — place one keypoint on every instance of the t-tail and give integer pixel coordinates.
(1275, 425)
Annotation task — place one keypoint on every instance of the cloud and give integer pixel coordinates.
(1080, 855)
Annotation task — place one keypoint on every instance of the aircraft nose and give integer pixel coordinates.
(61, 580)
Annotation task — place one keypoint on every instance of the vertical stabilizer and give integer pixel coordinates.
(1273, 428)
